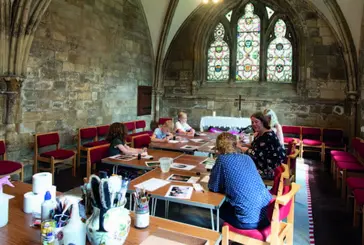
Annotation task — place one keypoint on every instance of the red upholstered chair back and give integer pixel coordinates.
(283, 209)
(277, 177)
(162, 120)
(130, 126)
(355, 143)
(88, 133)
(99, 152)
(330, 134)
(2, 147)
(360, 150)
(140, 124)
(291, 130)
(141, 141)
(103, 130)
(311, 133)
(47, 139)
(291, 147)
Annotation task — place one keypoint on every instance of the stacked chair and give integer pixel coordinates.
(9, 167)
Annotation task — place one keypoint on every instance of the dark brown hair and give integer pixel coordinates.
(117, 130)
(226, 143)
(261, 117)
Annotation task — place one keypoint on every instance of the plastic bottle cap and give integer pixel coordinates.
(47, 196)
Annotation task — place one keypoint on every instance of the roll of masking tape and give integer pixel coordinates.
(42, 182)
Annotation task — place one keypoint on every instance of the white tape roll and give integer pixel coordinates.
(31, 203)
(42, 182)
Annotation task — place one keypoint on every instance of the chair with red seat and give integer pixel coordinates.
(102, 131)
(162, 120)
(52, 157)
(333, 138)
(140, 124)
(291, 133)
(280, 208)
(281, 174)
(312, 141)
(9, 167)
(141, 141)
(87, 137)
(292, 154)
(94, 156)
(353, 183)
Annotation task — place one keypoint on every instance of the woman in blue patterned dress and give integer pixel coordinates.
(266, 149)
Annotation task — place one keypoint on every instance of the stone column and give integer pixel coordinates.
(158, 95)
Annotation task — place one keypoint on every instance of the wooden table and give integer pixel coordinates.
(206, 199)
(18, 231)
(206, 138)
(140, 164)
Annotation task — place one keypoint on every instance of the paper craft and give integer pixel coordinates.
(183, 178)
(209, 163)
(180, 192)
(147, 157)
(152, 184)
(205, 179)
(166, 237)
(182, 166)
(123, 157)
(173, 141)
(196, 140)
(202, 134)
(189, 147)
(152, 164)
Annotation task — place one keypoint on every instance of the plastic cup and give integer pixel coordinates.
(165, 164)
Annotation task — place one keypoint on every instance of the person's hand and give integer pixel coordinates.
(244, 148)
(166, 139)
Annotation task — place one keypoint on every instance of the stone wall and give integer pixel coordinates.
(87, 59)
(317, 100)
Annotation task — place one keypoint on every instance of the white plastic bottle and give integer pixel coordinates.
(75, 231)
(4, 201)
(47, 206)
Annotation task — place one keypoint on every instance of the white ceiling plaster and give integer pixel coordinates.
(155, 11)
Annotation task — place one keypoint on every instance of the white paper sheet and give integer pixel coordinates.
(183, 178)
(152, 184)
(196, 140)
(125, 158)
(173, 141)
(205, 179)
(180, 192)
(189, 147)
(182, 166)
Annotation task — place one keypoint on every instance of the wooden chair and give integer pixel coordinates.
(9, 167)
(279, 230)
(94, 156)
(52, 157)
(311, 138)
(88, 134)
(162, 120)
(292, 154)
(281, 174)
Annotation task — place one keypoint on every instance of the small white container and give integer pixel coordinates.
(165, 164)
(4, 210)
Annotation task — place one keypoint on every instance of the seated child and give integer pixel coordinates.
(182, 126)
(163, 133)
(116, 137)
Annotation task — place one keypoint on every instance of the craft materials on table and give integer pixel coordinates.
(182, 166)
(124, 157)
(189, 147)
(180, 192)
(4, 201)
(152, 184)
(110, 221)
(209, 163)
(183, 178)
(196, 140)
(141, 208)
(152, 164)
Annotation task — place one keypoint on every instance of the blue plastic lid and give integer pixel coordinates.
(47, 196)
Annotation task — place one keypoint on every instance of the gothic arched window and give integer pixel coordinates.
(261, 46)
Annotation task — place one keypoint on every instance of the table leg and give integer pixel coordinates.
(166, 209)
(218, 219)
(212, 219)
(155, 206)
(130, 201)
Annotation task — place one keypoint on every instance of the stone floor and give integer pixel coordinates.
(332, 218)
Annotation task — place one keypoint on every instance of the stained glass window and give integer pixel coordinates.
(228, 15)
(279, 57)
(248, 45)
(218, 56)
(270, 12)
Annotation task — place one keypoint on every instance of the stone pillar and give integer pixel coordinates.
(158, 95)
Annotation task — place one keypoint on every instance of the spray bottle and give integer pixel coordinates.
(4, 201)
(75, 231)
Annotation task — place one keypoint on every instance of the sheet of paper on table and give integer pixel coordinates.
(152, 184)
(190, 147)
(183, 178)
(205, 179)
(123, 157)
(182, 166)
(173, 141)
(196, 140)
(166, 237)
(180, 192)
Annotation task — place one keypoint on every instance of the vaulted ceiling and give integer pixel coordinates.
(155, 11)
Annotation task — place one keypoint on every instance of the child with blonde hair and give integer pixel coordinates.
(182, 126)
(163, 133)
